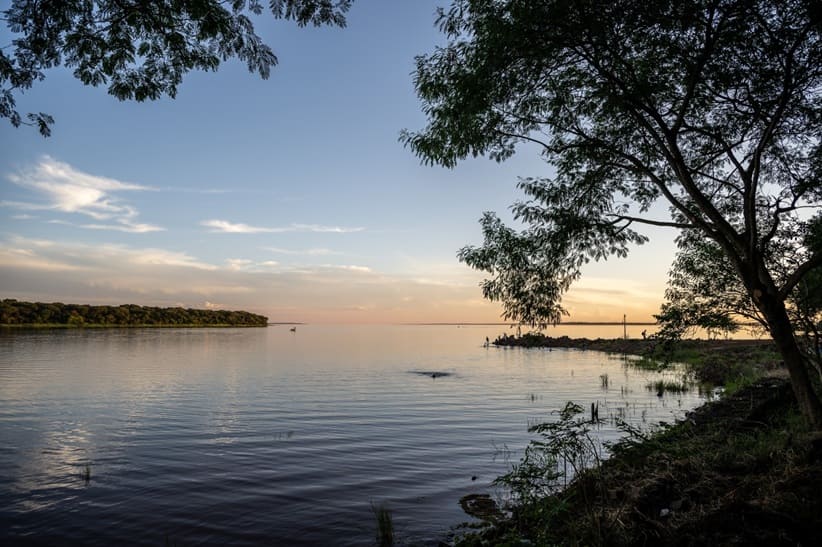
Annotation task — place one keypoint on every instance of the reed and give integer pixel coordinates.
(668, 386)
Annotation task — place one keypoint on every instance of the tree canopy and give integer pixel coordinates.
(139, 49)
(19, 314)
(705, 292)
(713, 106)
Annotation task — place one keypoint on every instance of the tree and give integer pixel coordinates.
(704, 292)
(712, 106)
(140, 49)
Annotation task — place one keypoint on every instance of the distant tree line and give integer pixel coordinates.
(13, 312)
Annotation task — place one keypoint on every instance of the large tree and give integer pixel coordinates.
(705, 292)
(140, 49)
(713, 106)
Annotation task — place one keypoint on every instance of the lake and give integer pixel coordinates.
(266, 436)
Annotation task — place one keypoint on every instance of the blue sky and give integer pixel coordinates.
(290, 197)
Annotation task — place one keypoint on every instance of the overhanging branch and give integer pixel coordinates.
(814, 262)
(679, 225)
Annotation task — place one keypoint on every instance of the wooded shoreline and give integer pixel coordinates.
(17, 314)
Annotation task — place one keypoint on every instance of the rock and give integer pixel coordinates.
(480, 506)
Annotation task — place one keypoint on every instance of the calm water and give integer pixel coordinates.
(263, 436)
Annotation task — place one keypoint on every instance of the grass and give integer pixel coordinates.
(743, 470)
(385, 524)
(668, 386)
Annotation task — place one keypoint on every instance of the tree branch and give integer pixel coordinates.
(793, 280)
(679, 225)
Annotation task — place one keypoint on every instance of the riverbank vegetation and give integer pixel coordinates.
(14, 313)
(745, 469)
(637, 105)
(712, 362)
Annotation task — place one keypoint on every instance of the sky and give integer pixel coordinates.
(291, 197)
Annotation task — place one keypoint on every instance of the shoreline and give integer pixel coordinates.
(740, 470)
(633, 346)
(63, 326)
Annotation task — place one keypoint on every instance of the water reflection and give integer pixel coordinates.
(264, 436)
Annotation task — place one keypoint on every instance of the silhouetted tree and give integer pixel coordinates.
(140, 49)
(13, 312)
(704, 290)
(713, 106)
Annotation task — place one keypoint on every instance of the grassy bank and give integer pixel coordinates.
(742, 470)
(728, 363)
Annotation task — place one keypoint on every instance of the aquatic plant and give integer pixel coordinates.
(668, 386)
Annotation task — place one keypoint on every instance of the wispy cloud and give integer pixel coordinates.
(302, 252)
(227, 227)
(205, 191)
(68, 271)
(64, 189)
(134, 227)
(350, 268)
(251, 266)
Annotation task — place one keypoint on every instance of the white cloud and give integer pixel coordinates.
(68, 190)
(227, 227)
(68, 271)
(157, 257)
(237, 264)
(321, 229)
(246, 265)
(350, 268)
(302, 252)
(123, 226)
(27, 259)
(82, 256)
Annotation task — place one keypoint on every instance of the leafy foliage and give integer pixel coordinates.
(15, 313)
(140, 49)
(565, 448)
(704, 292)
(713, 106)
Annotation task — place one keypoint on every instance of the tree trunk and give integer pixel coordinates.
(782, 333)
